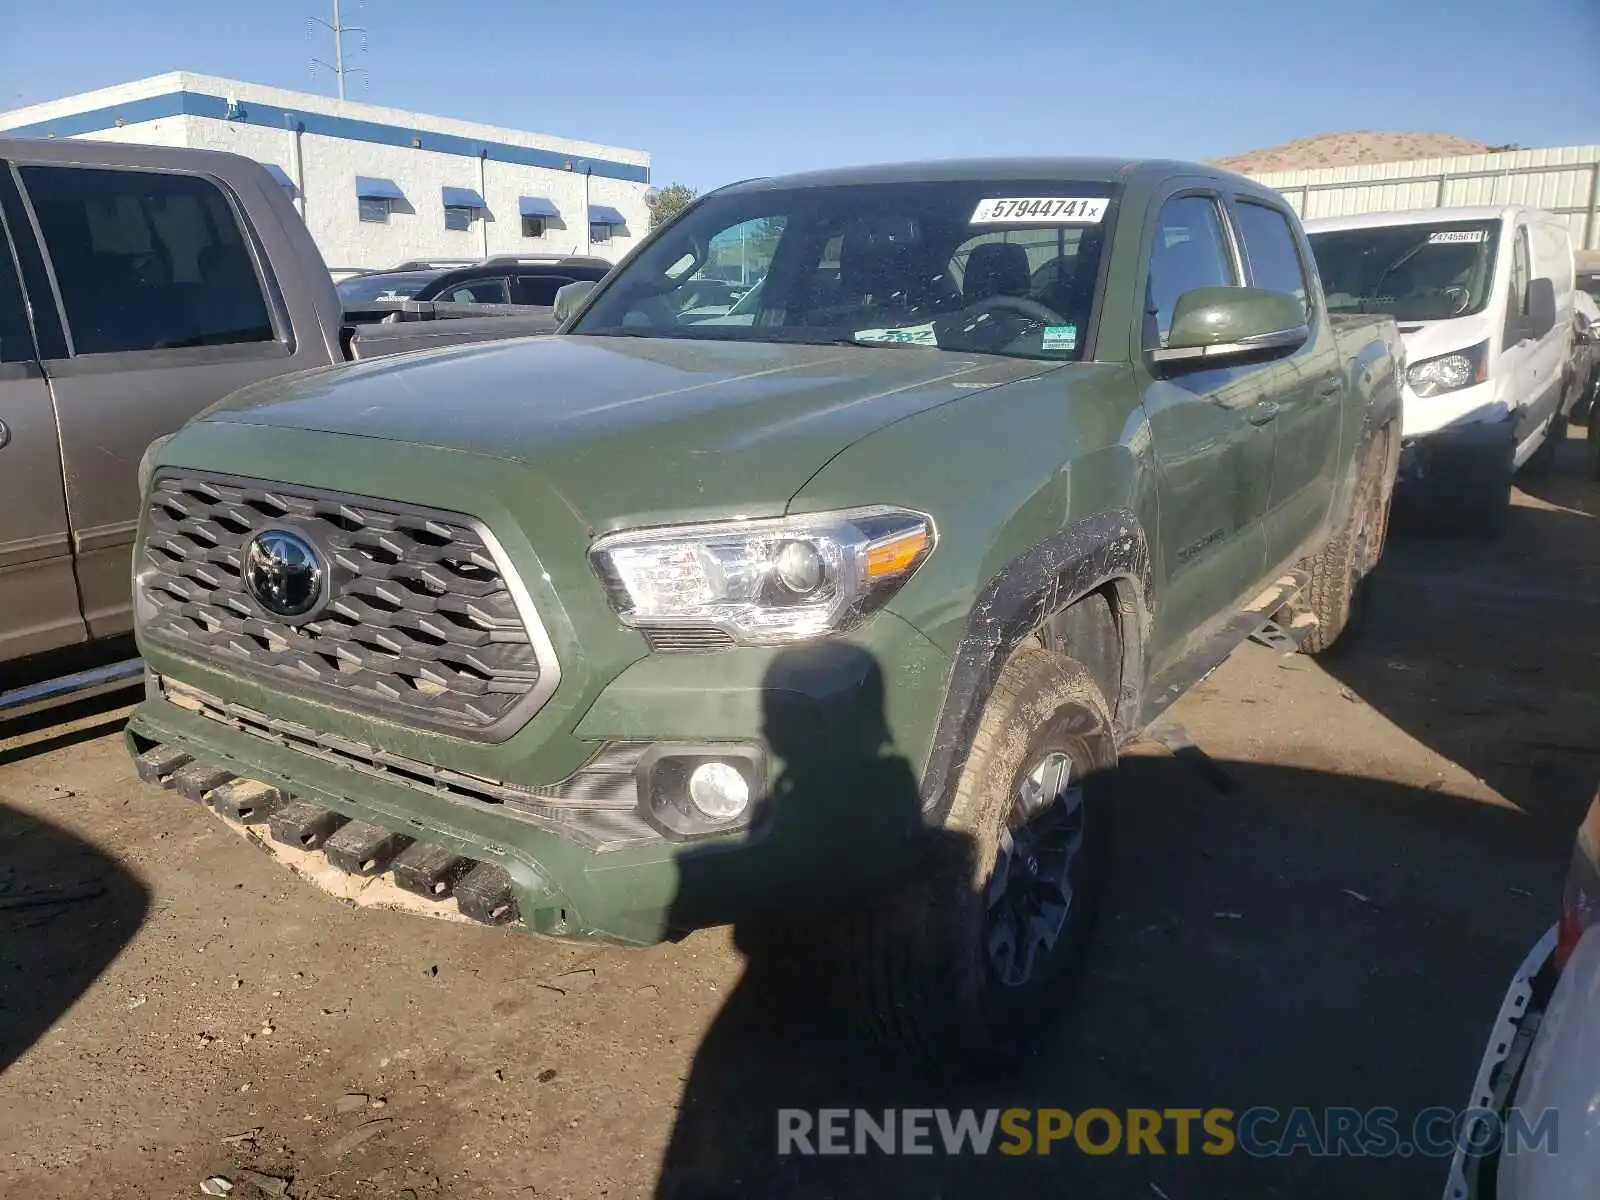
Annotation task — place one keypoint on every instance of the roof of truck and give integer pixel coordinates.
(1084, 170)
(1420, 216)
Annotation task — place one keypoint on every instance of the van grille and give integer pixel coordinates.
(421, 624)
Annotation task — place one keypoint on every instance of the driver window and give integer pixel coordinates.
(1190, 252)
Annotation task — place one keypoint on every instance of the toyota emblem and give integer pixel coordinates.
(283, 572)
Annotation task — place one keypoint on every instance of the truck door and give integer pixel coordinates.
(164, 301)
(1304, 391)
(38, 594)
(1214, 460)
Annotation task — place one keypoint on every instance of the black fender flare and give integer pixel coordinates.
(1110, 548)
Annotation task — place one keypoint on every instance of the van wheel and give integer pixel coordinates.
(1486, 504)
(1544, 458)
(964, 968)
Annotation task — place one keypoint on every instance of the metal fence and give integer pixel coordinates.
(1563, 179)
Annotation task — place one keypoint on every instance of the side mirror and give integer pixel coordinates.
(570, 296)
(1213, 325)
(1541, 318)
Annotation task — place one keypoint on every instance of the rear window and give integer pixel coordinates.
(146, 261)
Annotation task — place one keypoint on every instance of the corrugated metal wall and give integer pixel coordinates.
(1563, 179)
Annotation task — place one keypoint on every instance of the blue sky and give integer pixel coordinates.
(719, 91)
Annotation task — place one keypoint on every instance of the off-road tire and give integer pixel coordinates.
(1334, 591)
(916, 959)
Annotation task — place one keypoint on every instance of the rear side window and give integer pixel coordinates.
(477, 291)
(1190, 251)
(1270, 250)
(146, 261)
(540, 289)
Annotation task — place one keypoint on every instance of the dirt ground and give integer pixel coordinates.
(1322, 909)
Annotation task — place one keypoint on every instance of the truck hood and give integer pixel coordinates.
(631, 429)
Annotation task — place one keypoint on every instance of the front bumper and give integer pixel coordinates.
(1456, 454)
(835, 807)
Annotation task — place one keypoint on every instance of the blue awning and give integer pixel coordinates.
(462, 198)
(599, 214)
(537, 206)
(279, 176)
(369, 187)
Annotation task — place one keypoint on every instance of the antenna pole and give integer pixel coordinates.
(338, 29)
(338, 48)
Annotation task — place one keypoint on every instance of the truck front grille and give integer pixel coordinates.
(421, 623)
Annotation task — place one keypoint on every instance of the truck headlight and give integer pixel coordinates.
(1449, 372)
(766, 581)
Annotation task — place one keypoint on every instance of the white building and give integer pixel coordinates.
(1564, 180)
(378, 186)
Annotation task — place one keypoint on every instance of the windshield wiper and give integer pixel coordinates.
(875, 344)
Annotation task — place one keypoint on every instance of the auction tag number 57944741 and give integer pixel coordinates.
(1040, 210)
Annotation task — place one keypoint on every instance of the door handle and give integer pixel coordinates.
(1331, 389)
(1261, 412)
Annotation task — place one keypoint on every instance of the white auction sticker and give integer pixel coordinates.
(1039, 210)
(1455, 235)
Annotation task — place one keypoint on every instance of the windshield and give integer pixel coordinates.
(996, 267)
(390, 285)
(1410, 272)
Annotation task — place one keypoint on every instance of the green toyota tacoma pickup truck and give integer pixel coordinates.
(834, 605)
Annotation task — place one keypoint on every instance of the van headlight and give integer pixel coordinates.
(765, 581)
(1449, 372)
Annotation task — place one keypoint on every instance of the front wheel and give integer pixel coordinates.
(964, 968)
(1543, 460)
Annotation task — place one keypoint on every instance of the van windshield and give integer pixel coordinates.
(1426, 272)
(979, 266)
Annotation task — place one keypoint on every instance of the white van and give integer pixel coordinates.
(1484, 300)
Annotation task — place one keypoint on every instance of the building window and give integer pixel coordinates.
(374, 209)
(599, 235)
(533, 227)
(458, 217)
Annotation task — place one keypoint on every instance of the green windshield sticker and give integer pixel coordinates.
(1060, 337)
(914, 335)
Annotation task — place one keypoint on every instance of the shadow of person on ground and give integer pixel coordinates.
(66, 911)
(1307, 939)
(844, 792)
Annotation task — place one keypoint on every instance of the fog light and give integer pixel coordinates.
(719, 790)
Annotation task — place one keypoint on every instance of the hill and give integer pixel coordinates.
(1350, 149)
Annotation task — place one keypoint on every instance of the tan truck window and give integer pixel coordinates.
(146, 261)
